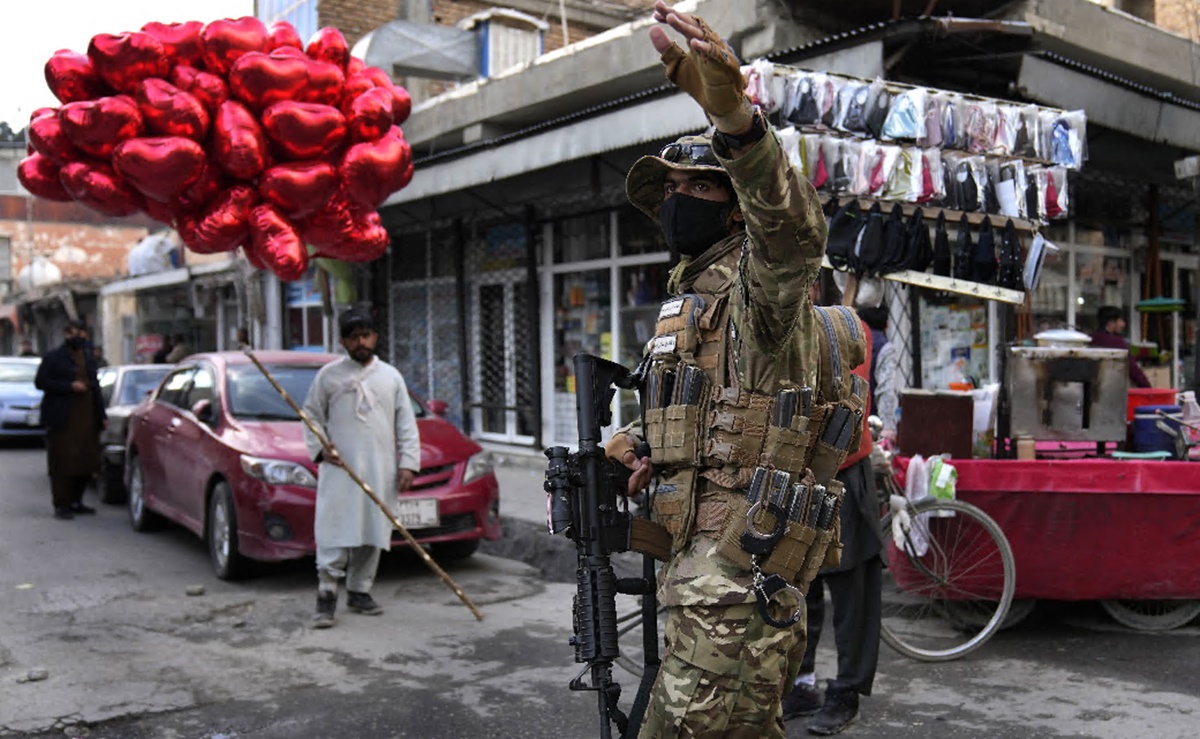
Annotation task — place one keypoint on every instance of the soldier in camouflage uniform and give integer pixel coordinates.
(749, 231)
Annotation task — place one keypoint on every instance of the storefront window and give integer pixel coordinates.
(1101, 280)
(582, 323)
(305, 320)
(583, 238)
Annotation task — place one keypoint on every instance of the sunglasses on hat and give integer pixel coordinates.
(689, 154)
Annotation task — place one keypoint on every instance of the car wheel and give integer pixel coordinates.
(110, 484)
(461, 549)
(227, 561)
(140, 516)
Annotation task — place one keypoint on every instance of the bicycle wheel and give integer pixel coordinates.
(944, 600)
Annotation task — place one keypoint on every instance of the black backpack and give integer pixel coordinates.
(964, 251)
(894, 243)
(942, 258)
(869, 251)
(983, 270)
(918, 249)
(844, 227)
(1012, 261)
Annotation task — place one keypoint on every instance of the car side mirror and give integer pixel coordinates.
(437, 407)
(203, 411)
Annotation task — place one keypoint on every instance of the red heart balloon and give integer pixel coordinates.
(332, 224)
(97, 186)
(226, 40)
(304, 130)
(207, 87)
(401, 101)
(48, 138)
(161, 212)
(261, 80)
(298, 188)
(125, 59)
(224, 225)
(407, 175)
(325, 84)
(290, 51)
(160, 167)
(97, 126)
(282, 33)
(180, 41)
(204, 190)
(329, 45)
(354, 86)
(72, 77)
(40, 176)
(169, 111)
(369, 116)
(238, 142)
(367, 241)
(354, 66)
(373, 170)
(277, 244)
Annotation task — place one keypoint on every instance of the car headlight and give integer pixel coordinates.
(477, 466)
(278, 472)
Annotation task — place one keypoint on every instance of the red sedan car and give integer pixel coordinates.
(216, 449)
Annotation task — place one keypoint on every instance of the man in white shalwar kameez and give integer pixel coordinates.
(362, 405)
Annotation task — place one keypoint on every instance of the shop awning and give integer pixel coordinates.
(655, 119)
(215, 273)
(1111, 102)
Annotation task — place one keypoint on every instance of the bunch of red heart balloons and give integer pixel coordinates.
(233, 133)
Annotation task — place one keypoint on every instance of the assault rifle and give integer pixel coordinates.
(585, 488)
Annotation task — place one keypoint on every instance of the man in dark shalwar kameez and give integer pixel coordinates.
(73, 414)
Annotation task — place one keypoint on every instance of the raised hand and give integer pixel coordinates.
(708, 70)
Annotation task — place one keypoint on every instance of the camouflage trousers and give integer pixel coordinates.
(723, 676)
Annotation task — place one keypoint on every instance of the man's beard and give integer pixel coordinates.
(362, 355)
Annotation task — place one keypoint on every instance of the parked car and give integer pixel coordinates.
(20, 401)
(217, 450)
(122, 386)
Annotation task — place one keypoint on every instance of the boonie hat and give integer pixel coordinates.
(644, 183)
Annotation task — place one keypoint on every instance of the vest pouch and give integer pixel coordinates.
(653, 427)
(786, 448)
(730, 544)
(680, 433)
(791, 553)
(814, 560)
(826, 461)
(737, 428)
(833, 552)
(674, 506)
(827, 545)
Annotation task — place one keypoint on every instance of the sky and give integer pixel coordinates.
(35, 29)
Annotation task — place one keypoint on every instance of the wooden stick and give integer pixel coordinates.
(330, 451)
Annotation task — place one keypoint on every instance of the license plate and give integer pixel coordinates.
(418, 513)
(34, 419)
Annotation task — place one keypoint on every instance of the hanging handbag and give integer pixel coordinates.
(1012, 266)
(918, 249)
(942, 259)
(894, 233)
(983, 269)
(844, 228)
(869, 249)
(964, 251)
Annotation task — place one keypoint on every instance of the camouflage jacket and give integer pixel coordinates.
(773, 335)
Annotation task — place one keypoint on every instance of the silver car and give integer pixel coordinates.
(20, 401)
(122, 387)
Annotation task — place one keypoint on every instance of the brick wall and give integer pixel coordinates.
(79, 250)
(354, 18)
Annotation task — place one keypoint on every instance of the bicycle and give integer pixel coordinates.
(948, 575)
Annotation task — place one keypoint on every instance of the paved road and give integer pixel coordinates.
(130, 656)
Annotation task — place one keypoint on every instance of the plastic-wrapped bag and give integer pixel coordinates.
(852, 108)
(844, 156)
(760, 75)
(1010, 189)
(879, 106)
(864, 155)
(932, 127)
(952, 120)
(906, 118)
(1027, 138)
(1067, 139)
(903, 182)
(979, 125)
(789, 141)
(817, 170)
(800, 106)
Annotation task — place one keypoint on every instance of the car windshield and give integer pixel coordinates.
(251, 396)
(18, 372)
(136, 383)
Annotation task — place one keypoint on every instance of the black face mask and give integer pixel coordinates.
(76, 342)
(691, 225)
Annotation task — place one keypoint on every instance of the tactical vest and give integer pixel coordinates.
(751, 467)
